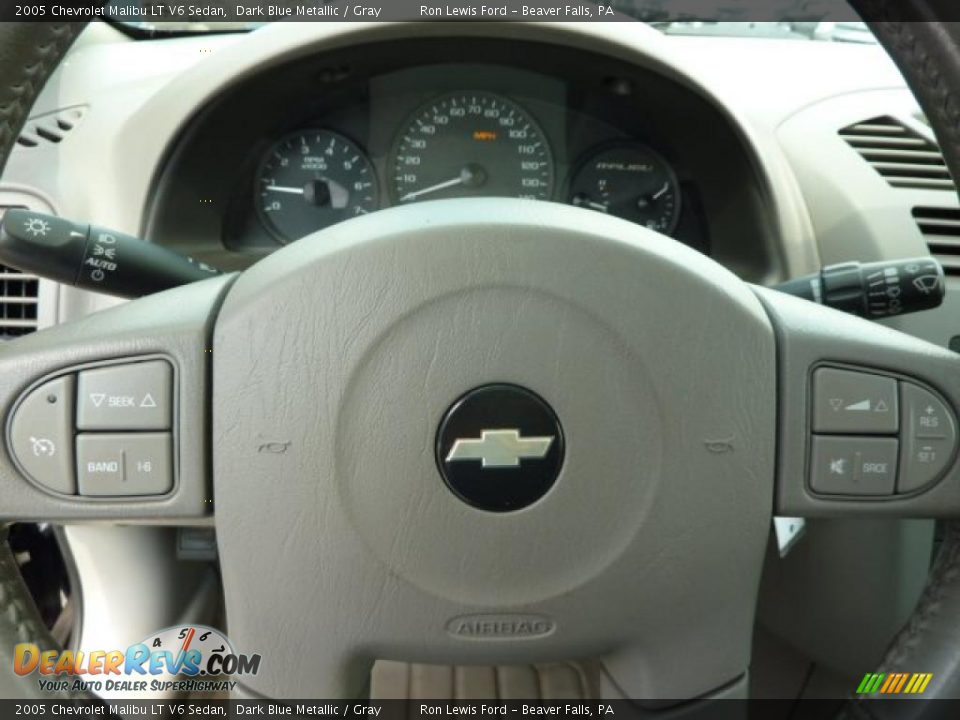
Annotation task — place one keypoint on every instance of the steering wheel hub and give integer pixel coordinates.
(583, 488)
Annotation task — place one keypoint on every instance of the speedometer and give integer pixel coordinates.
(468, 144)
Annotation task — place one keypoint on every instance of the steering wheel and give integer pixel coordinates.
(474, 431)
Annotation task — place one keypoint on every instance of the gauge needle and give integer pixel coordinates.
(581, 200)
(661, 192)
(471, 176)
(433, 188)
(285, 189)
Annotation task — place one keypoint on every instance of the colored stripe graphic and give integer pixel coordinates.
(864, 684)
(900, 683)
(894, 683)
(871, 683)
(914, 683)
(891, 681)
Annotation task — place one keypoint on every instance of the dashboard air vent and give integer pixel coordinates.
(19, 301)
(905, 158)
(50, 128)
(941, 229)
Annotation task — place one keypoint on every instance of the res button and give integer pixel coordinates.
(929, 438)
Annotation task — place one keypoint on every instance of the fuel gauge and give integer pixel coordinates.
(631, 181)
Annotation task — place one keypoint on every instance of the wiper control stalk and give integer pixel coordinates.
(874, 290)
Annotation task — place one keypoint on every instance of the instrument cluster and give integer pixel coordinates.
(473, 142)
(306, 145)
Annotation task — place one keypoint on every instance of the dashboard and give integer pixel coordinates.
(312, 143)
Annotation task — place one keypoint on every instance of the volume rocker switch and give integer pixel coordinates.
(854, 402)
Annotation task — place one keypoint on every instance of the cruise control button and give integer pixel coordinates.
(929, 438)
(125, 464)
(133, 396)
(854, 465)
(847, 401)
(41, 435)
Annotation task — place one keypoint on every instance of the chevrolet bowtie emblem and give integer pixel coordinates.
(500, 448)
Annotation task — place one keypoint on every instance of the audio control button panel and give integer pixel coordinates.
(99, 432)
(876, 435)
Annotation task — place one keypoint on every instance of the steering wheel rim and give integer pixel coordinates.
(35, 50)
(29, 53)
(928, 55)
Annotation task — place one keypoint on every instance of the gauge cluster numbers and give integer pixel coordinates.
(471, 144)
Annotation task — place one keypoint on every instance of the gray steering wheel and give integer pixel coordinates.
(340, 393)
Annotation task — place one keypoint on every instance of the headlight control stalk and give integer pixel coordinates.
(93, 258)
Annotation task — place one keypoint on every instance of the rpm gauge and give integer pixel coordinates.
(311, 179)
(467, 144)
(631, 181)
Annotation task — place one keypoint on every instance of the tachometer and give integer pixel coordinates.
(631, 181)
(311, 179)
(471, 144)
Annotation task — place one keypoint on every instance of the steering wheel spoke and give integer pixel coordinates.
(106, 417)
(868, 421)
